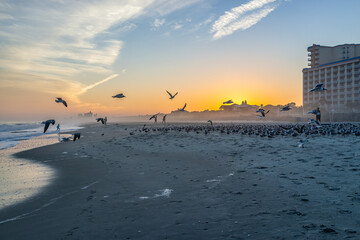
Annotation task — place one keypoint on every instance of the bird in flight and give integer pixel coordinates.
(154, 117)
(171, 96)
(60, 100)
(286, 108)
(47, 124)
(182, 109)
(262, 111)
(100, 119)
(120, 95)
(228, 102)
(318, 88)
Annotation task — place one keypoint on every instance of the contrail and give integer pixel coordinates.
(85, 89)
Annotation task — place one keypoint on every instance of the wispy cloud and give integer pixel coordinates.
(242, 17)
(87, 88)
(158, 22)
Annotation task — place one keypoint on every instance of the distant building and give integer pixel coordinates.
(338, 68)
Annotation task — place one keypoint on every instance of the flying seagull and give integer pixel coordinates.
(262, 111)
(171, 96)
(100, 119)
(47, 124)
(315, 111)
(228, 102)
(286, 108)
(182, 109)
(60, 100)
(318, 88)
(154, 117)
(120, 95)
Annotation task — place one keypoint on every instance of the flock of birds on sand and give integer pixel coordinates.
(314, 126)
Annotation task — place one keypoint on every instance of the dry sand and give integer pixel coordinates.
(177, 185)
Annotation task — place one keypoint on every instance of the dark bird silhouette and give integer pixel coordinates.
(47, 124)
(318, 88)
(209, 121)
(60, 100)
(154, 117)
(228, 102)
(164, 118)
(100, 119)
(76, 136)
(286, 108)
(182, 109)
(262, 111)
(171, 96)
(120, 95)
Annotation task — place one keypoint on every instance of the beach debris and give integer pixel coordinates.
(171, 96)
(60, 100)
(47, 124)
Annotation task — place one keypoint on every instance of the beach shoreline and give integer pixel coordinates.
(178, 185)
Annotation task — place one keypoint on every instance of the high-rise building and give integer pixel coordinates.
(338, 68)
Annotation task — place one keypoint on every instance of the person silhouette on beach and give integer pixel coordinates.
(105, 120)
(318, 115)
(164, 119)
(58, 128)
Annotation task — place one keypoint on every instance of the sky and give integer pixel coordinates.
(208, 51)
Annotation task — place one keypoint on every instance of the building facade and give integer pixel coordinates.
(338, 68)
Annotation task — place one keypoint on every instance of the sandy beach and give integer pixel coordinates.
(179, 185)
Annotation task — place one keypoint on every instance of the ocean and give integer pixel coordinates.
(12, 133)
(20, 179)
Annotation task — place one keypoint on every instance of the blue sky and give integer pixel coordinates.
(208, 50)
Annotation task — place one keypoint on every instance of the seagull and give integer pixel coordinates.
(47, 124)
(318, 88)
(60, 100)
(76, 136)
(64, 139)
(120, 95)
(262, 111)
(182, 109)
(164, 118)
(260, 116)
(302, 142)
(154, 117)
(209, 121)
(228, 102)
(171, 96)
(100, 119)
(314, 122)
(315, 111)
(286, 108)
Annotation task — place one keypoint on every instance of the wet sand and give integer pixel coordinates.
(178, 185)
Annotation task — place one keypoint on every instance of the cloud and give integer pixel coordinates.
(158, 22)
(242, 17)
(87, 88)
